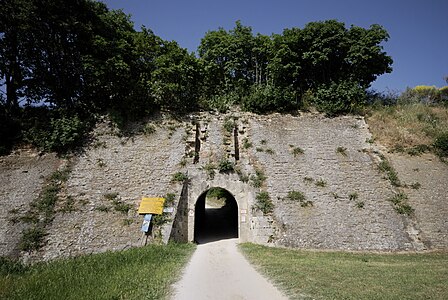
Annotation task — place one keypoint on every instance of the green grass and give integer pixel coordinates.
(139, 273)
(337, 275)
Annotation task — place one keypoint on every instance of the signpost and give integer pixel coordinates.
(146, 222)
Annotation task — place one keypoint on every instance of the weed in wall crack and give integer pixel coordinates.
(385, 167)
(342, 151)
(321, 183)
(400, 204)
(264, 203)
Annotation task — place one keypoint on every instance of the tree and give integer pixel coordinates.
(14, 49)
(176, 78)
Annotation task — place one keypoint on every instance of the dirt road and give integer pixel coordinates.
(217, 271)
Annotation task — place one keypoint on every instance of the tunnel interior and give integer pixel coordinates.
(216, 216)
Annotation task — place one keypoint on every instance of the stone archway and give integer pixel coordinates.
(216, 216)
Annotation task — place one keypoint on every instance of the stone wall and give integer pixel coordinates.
(330, 161)
(22, 175)
(129, 167)
(327, 177)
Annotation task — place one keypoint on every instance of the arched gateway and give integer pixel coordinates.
(216, 216)
(231, 220)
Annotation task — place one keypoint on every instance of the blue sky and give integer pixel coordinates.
(418, 29)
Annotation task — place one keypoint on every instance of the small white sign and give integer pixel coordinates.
(168, 209)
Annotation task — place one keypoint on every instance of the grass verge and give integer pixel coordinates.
(139, 273)
(338, 275)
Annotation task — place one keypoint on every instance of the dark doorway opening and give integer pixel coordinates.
(216, 216)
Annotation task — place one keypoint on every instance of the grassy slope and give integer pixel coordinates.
(337, 275)
(141, 273)
(407, 126)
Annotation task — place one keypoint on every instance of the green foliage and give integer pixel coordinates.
(391, 174)
(179, 177)
(218, 193)
(264, 203)
(263, 99)
(117, 204)
(170, 199)
(258, 179)
(100, 64)
(111, 196)
(11, 267)
(308, 179)
(270, 151)
(229, 124)
(226, 166)
(339, 98)
(160, 220)
(401, 205)
(299, 197)
(246, 143)
(297, 151)
(441, 144)
(209, 168)
(62, 134)
(32, 239)
(420, 94)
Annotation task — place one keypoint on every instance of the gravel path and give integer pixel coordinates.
(217, 270)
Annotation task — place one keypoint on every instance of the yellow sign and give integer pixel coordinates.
(151, 206)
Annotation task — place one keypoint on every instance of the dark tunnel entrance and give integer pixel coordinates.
(216, 216)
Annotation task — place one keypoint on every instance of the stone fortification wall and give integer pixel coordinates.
(338, 173)
(22, 175)
(332, 162)
(112, 169)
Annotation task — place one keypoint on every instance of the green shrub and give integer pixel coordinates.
(179, 177)
(226, 166)
(169, 199)
(32, 239)
(400, 204)
(444, 94)
(229, 124)
(246, 143)
(210, 170)
(427, 94)
(258, 179)
(222, 103)
(270, 151)
(339, 98)
(62, 134)
(11, 267)
(264, 203)
(263, 99)
(159, 220)
(441, 144)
